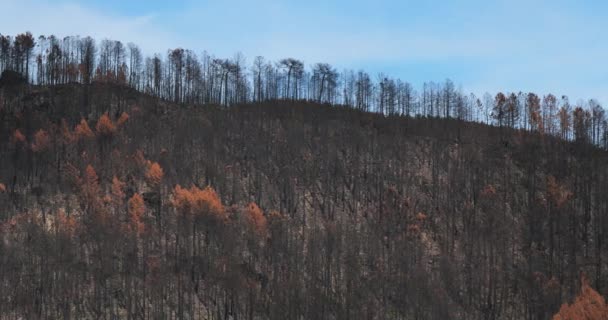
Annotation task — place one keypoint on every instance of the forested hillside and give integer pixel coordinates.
(188, 77)
(120, 203)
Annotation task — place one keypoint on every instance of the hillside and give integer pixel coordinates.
(120, 204)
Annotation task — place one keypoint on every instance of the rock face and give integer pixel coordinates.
(589, 305)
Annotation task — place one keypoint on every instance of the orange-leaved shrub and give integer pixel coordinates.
(588, 305)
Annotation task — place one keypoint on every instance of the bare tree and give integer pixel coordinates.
(294, 68)
(325, 78)
(135, 65)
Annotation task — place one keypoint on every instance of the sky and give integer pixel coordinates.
(558, 46)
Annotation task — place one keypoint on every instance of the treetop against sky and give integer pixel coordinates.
(541, 46)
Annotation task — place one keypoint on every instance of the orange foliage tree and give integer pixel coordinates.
(195, 202)
(118, 195)
(122, 119)
(2, 188)
(255, 217)
(42, 141)
(154, 173)
(588, 305)
(137, 209)
(139, 158)
(66, 137)
(117, 187)
(90, 187)
(105, 127)
(82, 131)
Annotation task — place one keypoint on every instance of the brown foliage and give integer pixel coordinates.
(117, 189)
(122, 74)
(412, 229)
(90, 187)
(154, 173)
(2, 188)
(139, 158)
(564, 120)
(82, 131)
(153, 264)
(557, 193)
(183, 199)
(20, 222)
(42, 141)
(105, 126)
(588, 305)
(256, 217)
(122, 119)
(91, 175)
(275, 215)
(136, 213)
(488, 191)
(66, 224)
(210, 201)
(275, 219)
(536, 119)
(17, 137)
(66, 136)
(421, 216)
(195, 202)
(72, 174)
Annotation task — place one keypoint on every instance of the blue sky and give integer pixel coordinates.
(558, 46)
